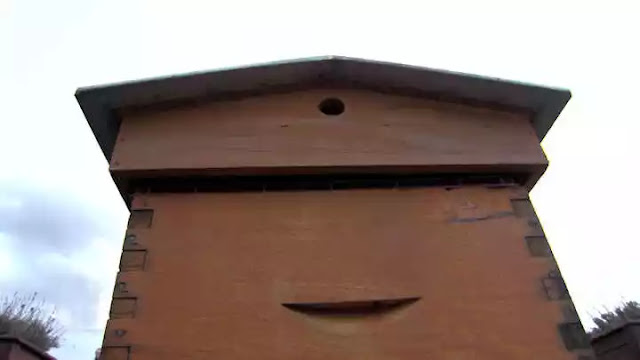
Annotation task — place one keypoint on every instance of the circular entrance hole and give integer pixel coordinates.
(331, 106)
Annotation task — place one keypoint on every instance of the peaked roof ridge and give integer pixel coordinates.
(100, 103)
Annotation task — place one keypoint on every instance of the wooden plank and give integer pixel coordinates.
(289, 131)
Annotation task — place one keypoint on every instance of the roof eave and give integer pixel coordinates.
(100, 103)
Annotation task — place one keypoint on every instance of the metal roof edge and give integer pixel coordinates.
(91, 88)
(99, 102)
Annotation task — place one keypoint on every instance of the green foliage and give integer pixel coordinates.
(611, 319)
(27, 317)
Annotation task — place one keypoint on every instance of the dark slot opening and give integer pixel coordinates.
(163, 184)
(351, 308)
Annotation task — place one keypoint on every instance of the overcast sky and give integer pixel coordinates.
(62, 220)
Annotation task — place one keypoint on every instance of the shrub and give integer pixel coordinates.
(27, 317)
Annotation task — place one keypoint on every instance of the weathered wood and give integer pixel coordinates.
(289, 131)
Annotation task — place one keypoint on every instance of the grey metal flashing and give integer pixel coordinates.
(100, 104)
